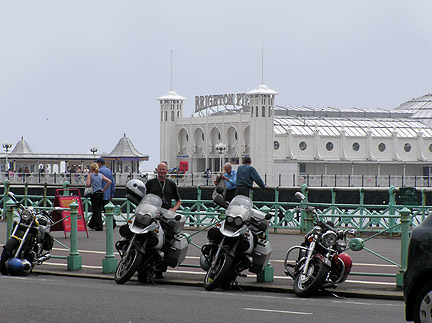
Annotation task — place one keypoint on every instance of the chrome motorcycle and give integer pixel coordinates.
(236, 244)
(152, 241)
(319, 262)
(30, 243)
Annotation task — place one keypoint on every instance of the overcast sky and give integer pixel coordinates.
(78, 74)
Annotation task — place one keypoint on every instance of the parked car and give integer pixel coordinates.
(418, 277)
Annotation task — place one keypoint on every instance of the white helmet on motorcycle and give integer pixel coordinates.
(135, 191)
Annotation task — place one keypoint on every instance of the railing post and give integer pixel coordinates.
(405, 222)
(45, 194)
(392, 207)
(198, 217)
(74, 259)
(9, 216)
(109, 264)
(276, 207)
(5, 193)
(65, 187)
(25, 193)
(306, 223)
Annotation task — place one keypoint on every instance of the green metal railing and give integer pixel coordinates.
(392, 219)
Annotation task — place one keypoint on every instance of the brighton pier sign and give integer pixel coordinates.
(208, 101)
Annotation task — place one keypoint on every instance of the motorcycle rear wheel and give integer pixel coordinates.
(217, 273)
(315, 278)
(128, 266)
(8, 251)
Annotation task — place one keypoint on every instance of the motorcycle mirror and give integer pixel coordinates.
(268, 216)
(299, 196)
(219, 200)
(219, 190)
(12, 196)
(178, 217)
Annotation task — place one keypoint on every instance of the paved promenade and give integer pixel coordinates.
(92, 251)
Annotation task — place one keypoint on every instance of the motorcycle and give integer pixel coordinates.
(30, 243)
(236, 244)
(320, 261)
(152, 241)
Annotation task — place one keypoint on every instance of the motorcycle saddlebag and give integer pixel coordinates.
(260, 256)
(177, 251)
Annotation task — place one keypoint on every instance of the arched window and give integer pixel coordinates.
(166, 115)
(251, 111)
(161, 115)
(256, 112)
(172, 115)
(178, 114)
(263, 111)
(270, 111)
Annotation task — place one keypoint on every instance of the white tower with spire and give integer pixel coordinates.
(261, 102)
(171, 109)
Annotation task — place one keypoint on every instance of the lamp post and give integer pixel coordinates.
(220, 147)
(93, 150)
(7, 146)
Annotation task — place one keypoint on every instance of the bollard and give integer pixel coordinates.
(74, 259)
(405, 222)
(109, 264)
(9, 216)
(267, 274)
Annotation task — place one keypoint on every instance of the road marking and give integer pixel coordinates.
(83, 251)
(65, 265)
(275, 311)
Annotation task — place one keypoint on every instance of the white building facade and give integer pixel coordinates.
(296, 141)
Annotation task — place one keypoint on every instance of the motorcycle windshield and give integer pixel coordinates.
(240, 206)
(151, 204)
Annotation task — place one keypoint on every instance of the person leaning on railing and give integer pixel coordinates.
(246, 176)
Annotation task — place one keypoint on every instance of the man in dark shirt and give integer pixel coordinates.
(246, 175)
(167, 191)
(165, 188)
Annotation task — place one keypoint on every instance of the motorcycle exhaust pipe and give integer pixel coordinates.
(44, 258)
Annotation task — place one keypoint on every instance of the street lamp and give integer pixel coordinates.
(220, 147)
(93, 150)
(7, 146)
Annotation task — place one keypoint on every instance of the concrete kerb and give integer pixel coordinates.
(256, 286)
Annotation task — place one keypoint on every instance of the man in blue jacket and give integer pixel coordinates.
(246, 175)
(108, 194)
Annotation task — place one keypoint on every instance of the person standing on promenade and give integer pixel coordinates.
(246, 175)
(95, 180)
(230, 178)
(108, 195)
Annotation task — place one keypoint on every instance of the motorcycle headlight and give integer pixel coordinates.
(143, 219)
(230, 219)
(328, 239)
(238, 221)
(26, 215)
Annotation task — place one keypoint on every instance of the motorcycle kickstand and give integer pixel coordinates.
(150, 278)
(238, 285)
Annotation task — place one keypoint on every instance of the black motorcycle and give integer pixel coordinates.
(30, 243)
(319, 262)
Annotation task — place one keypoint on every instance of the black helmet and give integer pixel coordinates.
(135, 191)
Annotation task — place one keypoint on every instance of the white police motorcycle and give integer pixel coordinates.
(236, 244)
(152, 241)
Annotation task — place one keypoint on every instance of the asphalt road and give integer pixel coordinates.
(67, 299)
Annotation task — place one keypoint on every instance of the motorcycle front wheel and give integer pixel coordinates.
(217, 273)
(306, 285)
(8, 251)
(128, 266)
